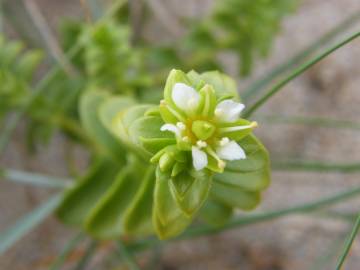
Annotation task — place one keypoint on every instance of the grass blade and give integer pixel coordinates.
(251, 219)
(310, 121)
(34, 179)
(348, 243)
(90, 250)
(126, 256)
(314, 166)
(260, 83)
(69, 247)
(28, 222)
(296, 73)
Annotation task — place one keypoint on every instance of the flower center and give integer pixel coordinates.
(202, 129)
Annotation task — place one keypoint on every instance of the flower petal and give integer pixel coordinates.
(200, 160)
(172, 128)
(229, 110)
(230, 151)
(185, 97)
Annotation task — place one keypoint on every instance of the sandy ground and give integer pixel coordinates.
(297, 242)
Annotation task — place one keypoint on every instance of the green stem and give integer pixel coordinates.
(314, 166)
(34, 179)
(348, 243)
(127, 257)
(42, 85)
(259, 84)
(296, 73)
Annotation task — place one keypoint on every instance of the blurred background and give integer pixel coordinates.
(328, 90)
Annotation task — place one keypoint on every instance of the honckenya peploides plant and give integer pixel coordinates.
(190, 156)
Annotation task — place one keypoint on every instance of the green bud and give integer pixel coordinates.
(203, 129)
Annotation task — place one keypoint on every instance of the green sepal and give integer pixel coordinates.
(233, 196)
(239, 134)
(208, 101)
(224, 86)
(175, 76)
(215, 213)
(191, 196)
(79, 201)
(167, 115)
(106, 219)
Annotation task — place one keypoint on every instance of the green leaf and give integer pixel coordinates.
(168, 219)
(90, 103)
(216, 213)
(252, 173)
(27, 223)
(107, 217)
(137, 218)
(234, 196)
(191, 197)
(145, 132)
(83, 196)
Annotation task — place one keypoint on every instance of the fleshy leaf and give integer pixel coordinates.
(234, 196)
(82, 197)
(190, 198)
(106, 219)
(215, 213)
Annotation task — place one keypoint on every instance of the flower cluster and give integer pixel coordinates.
(203, 123)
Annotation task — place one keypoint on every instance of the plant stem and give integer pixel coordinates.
(89, 252)
(296, 73)
(348, 243)
(259, 84)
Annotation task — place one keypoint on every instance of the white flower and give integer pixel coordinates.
(199, 157)
(230, 150)
(185, 97)
(229, 110)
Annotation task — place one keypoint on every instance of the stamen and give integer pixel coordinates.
(181, 125)
(221, 163)
(162, 102)
(201, 144)
(224, 141)
(218, 112)
(185, 139)
(231, 129)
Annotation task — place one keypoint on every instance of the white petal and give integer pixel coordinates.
(199, 157)
(229, 110)
(171, 128)
(230, 151)
(185, 97)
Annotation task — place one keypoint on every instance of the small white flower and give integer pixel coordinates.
(185, 97)
(229, 110)
(199, 157)
(172, 128)
(230, 151)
